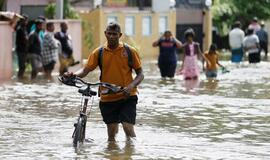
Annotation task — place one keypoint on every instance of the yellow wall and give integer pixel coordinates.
(98, 20)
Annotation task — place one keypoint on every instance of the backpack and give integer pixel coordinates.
(129, 54)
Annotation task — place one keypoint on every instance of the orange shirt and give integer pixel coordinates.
(115, 68)
(213, 58)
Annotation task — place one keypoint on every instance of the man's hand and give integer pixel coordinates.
(68, 74)
(127, 90)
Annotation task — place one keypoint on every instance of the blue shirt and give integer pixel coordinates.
(167, 50)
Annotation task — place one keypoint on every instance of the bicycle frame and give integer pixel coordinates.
(87, 93)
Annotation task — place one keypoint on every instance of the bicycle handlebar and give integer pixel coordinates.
(78, 82)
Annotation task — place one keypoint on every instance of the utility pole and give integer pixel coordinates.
(59, 9)
(207, 25)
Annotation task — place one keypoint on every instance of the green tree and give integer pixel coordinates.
(2, 3)
(226, 12)
(69, 12)
(50, 11)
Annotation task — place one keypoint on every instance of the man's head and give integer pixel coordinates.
(113, 33)
(50, 26)
(24, 20)
(167, 34)
(64, 27)
(39, 24)
(237, 24)
(262, 24)
(255, 19)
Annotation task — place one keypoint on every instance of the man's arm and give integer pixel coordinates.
(155, 44)
(82, 72)
(138, 79)
(177, 42)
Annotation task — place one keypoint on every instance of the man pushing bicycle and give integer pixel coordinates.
(116, 61)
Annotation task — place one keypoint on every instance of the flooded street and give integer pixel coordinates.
(224, 119)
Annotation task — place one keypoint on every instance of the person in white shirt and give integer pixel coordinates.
(236, 37)
(252, 46)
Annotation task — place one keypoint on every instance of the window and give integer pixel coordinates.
(146, 26)
(111, 19)
(130, 25)
(163, 24)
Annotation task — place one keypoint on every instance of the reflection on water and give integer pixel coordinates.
(228, 118)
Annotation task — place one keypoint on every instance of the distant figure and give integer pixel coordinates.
(263, 38)
(212, 56)
(49, 50)
(252, 46)
(35, 45)
(254, 25)
(66, 57)
(42, 31)
(190, 68)
(21, 45)
(167, 59)
(236, 37)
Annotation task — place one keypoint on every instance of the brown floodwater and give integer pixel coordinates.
(224, 119)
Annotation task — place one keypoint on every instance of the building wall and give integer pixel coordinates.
(142, 43)
(15, 5)
(6, 70)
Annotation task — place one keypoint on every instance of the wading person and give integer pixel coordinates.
(190, 68)
(113, 60)
(263, 38)
(21, 45)
(66, 57)
(236, 37)
(252, 46)
(49, 50)
(35, 45)
(212, 56)
(167, 59)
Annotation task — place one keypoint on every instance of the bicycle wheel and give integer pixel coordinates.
(79, 132)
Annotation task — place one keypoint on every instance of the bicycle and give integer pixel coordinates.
(85, 88)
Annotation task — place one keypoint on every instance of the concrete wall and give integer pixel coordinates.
(15, 5)
(189, 16)
(98, 20)
(5, 51)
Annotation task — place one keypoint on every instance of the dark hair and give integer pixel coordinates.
(167, 32)
(237, 24)
(42, 18)
(189, 32)
(49, 25)
(213, 47)
(250, 31)
(38, 21)
(114, 26)
(62, 24)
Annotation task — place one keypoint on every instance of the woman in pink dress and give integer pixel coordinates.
(190, 68)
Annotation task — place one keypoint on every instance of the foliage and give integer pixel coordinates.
(50, 11)
(2, 3)
(226, 12)
(69, 12)
(88, 37)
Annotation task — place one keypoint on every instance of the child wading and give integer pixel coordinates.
(190, 68)
(212, 56)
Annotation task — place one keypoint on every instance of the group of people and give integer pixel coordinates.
(254, 42)
(42, 48)
(167, 60)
